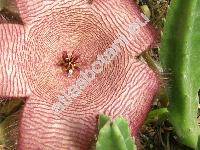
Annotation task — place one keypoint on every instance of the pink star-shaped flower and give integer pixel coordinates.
(29, 68)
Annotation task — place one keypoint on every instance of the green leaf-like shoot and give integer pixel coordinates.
(114, 135)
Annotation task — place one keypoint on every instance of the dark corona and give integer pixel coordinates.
(69, 64)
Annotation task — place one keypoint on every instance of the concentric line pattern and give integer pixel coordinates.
(125, 87)
(12, 79)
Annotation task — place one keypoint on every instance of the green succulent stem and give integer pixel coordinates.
(114, 135)
(180, 55)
